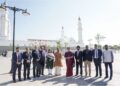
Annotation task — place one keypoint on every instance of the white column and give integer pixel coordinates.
(62, 39)
(4, 26)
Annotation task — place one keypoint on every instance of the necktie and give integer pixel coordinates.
(17, 58)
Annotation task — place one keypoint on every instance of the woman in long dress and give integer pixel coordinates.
(69, 56)
(50, 61)
(58, 63)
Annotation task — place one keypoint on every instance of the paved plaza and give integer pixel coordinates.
(6, 78)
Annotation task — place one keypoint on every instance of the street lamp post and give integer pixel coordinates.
(99, 38)
(90, 44)
(14, 9)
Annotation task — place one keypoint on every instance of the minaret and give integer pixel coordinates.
(62, 33)
(4, 25)
(80, 40)
(62, 38)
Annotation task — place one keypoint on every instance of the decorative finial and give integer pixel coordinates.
(62, 27)
(4, 2)
(79, 18)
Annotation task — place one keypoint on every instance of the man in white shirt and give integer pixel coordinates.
(108, 60)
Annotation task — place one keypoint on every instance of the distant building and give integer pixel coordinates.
(41, 42)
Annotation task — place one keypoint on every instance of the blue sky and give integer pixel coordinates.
(48, 16)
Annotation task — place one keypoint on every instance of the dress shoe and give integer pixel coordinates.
(76, 75)
(96, 76)
(20, 80)
(28, 78)
(14, 81)
(110, 78)
(24, 78)
(106, 77)
(81, 75)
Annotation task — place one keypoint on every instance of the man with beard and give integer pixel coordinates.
(42, 59)
(35, 55)
(27, 62)
(79, 60)
(17, 64)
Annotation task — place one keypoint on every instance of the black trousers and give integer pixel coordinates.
(106, 69)
(15, 67)
(26, 72)
(98, 68)
(79, 65)
(42, 69)
(34, 69)
(38, 69)
(42, 65)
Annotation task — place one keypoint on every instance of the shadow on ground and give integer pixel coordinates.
(79, 81)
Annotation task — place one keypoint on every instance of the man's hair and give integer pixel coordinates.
(78, 46)
(95, 45)
(26, 48)
(106, 45)
(17, 47)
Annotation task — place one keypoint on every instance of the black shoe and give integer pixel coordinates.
(81, 75)
(106, 77)
(34, 76)
(100, 76)
(24, 78)
(14, 81)
(96, 76)
(20, 80)
(38, 75)
(110, 78)
(28, 78)
(76, 75)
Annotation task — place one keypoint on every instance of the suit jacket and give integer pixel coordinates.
(99, 54)
(87, 55)
(79, 56)
(35, 55)
(42, 57)
(14, 58)
(26, 56)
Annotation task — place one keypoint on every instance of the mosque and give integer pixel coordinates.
(63, 40)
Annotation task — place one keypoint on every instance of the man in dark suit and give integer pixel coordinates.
(42, 59)
(26, 62)
(17, 63)
(79, 60)
(97, 54)
(35, 55)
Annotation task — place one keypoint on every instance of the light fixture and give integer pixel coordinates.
(25, 13)
(2, 8)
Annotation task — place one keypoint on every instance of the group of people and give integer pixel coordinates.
(39, 58)
(86, 56)
(42, 58)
